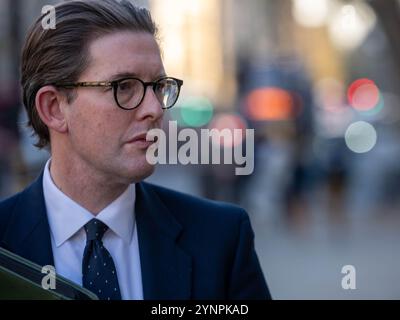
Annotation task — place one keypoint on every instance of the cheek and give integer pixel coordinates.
(96, 129)
(104, 131)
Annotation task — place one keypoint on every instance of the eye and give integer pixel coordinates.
(160, 86)
(125, 85)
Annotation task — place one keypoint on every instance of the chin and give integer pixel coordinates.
(140, 172)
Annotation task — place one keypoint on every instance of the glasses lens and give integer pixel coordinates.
(130, 93)
(167, 91)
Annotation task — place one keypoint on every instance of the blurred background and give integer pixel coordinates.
(318, 81)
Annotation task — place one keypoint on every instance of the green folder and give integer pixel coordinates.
(21, 279)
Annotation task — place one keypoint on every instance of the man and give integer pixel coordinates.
(93, 88)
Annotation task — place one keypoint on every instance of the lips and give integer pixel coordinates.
(138, 137)
(141, 142)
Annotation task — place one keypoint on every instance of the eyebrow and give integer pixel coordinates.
(122, 75)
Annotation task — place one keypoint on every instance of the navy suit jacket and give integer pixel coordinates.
(190, 248)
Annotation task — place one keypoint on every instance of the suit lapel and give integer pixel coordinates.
(166, 268)
(28, 233)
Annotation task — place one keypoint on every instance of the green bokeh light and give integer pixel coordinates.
(196, 111)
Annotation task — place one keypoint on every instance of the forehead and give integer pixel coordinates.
(124, 52)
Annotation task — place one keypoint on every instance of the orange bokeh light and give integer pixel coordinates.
(270, 104)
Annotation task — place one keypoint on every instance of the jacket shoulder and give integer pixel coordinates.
(219, 238)
(186, 207)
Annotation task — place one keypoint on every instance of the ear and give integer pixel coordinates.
(50, 107)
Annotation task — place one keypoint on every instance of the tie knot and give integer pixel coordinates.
(95, 230)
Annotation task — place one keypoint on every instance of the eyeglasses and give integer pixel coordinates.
(129, 92)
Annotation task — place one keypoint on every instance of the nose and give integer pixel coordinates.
(150, 107)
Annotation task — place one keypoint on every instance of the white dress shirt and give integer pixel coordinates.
(68, 237)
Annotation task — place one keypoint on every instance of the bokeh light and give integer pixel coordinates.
(351, 24)
(378, 107)
(330, 94)
(363, 94)
(196, 111)
(270, 104)
(311, 13)
(361, 137)
(230, 121)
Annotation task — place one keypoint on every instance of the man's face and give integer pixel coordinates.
(99, 131)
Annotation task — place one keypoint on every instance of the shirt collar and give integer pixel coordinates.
(66, 217)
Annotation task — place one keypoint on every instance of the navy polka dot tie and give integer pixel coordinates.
(98, 270)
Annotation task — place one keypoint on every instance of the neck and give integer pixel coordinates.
(85, 185)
